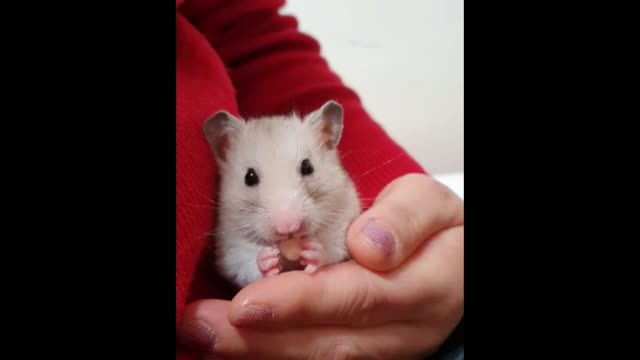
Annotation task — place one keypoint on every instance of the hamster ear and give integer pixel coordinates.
(218, 129)
(328, 122)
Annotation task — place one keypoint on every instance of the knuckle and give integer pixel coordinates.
(432, 185)
(414, 177)
(360, 302)
(428, 185)
(440, 301)
(451, 204)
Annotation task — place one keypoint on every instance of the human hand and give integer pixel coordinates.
(400, 298)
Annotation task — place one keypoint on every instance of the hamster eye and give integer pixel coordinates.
(251, 178)
(306, 168)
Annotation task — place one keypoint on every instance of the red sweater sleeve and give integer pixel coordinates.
(276, 69)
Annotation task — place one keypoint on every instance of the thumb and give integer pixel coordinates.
(409, 210)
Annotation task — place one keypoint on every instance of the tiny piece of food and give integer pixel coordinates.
(290, 249)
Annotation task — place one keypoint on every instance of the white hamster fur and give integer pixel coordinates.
(280, 178)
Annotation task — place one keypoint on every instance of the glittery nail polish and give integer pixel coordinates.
(254, 314)
(196, 334)
(379, 236)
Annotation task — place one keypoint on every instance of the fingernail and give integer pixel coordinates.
(379, 236)
(254, 314)
(196, 334)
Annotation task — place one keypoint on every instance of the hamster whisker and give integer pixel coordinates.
(323, 220)
(222, 206)
(216, 206)
(368, 151)
(377, 167)
(312, 193)
(322, 211)
(297, 146)
(255, 206)
(200, 206)
(342, 156)
(206, 198)
(251, 211)
(231, 230)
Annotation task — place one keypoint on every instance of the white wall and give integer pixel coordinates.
(405, 60)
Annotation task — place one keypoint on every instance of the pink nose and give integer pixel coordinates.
(286, 223)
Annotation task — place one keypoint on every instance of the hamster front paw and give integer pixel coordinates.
(312, 256)
(269, 261)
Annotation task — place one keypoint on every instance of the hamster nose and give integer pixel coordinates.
(286, 223)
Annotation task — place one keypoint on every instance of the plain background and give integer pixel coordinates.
(405, 60)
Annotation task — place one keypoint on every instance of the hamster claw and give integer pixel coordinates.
(311, 268)
(269, 261)
(272, 273)
(311, 257)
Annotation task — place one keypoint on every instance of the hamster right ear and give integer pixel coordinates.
(218, 130)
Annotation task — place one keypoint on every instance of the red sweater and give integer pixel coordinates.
(244, 57)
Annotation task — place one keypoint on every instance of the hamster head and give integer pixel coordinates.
(280, 176)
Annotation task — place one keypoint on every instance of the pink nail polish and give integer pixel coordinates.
(196, 335)
(379, 236)
(253, 315)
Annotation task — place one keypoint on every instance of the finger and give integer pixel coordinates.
(348, 294)
(344, 293)
(390, 341)
(196, 328)
(408, 211)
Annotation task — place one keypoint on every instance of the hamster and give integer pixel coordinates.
(285, 201)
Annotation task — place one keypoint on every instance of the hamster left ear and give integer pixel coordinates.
(328, 122)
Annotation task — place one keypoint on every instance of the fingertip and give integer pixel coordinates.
(365, 254)
(251, 306)
(371, 244)
(196, 329)
(251, 315)
(195, 334)
(236, 307)
(259, 305)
